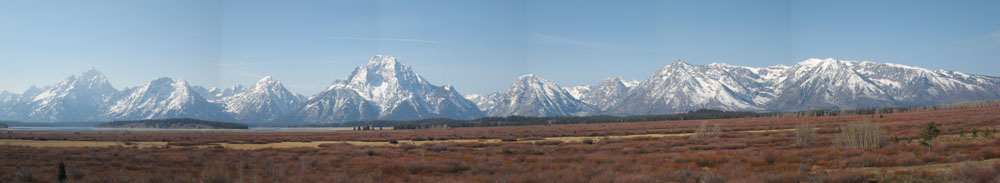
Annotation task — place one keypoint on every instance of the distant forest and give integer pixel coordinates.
(701, 114)
(47, 124)
(176, 123)
(2, 125)
(525, 120)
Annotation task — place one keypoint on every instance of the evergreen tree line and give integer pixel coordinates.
(526, 120)
(173, 123)
(887, 110)
(701, 114)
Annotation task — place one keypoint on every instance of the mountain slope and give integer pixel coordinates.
(385, 89)
(266, 100)
(215, 94)
(7, 102)
(531, 95)
(393, 89)
(75, 98)
(681, 87)
(485, 103)
(830, 83)
(810, 84)
(165, 98)
(825, 84)
(609, 93)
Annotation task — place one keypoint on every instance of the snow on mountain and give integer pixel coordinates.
(165, 98)
(76, 98)
(336, 105)
(831, 83)
(485, 103)
(810, 84)
(578, 92)
(6, 96)
(7, 102)
(604, 95)
(385, 89)
(216, 94)
(264, 101)
(393, 89)
(825, 84)
(531, 95)
(681, 87)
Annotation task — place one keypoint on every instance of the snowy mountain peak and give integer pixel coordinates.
(164, 98)
(386, 89)
(382, 61)
(266, 82)
(484, 102)
(613, 80)
(527, 77)
(716, 64)
(531, 81)
(216, 94)
(84, 94)
(380, 72)
(161, 81)
(181, 83)
(606, 94)
(814, 62)
(531, 95)
(91, 73)
(31, 92)
(266, 100)
(266, 79)
(675, 66)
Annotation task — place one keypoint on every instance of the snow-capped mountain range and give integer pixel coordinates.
(164, 98)
(811, 84)
(386, 89)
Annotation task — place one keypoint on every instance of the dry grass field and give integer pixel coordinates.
(740, 150)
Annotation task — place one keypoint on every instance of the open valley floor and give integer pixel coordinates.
(743, 150)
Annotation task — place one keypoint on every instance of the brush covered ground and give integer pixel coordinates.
(742, 150)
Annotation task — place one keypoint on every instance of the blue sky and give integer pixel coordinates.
(477, 46)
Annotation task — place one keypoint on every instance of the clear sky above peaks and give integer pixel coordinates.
(477, 46)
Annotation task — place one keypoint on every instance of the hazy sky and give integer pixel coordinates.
(477, 46)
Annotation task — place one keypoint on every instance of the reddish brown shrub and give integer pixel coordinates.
(971, 173)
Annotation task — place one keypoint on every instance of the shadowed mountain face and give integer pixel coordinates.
(386, 89)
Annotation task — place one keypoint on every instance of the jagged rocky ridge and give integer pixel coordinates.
(164, 98)
(811, 84)
(531, 95)
(385, 89)
(265, 101)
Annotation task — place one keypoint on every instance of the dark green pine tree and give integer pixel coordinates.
(930, 133)
(62, 172)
